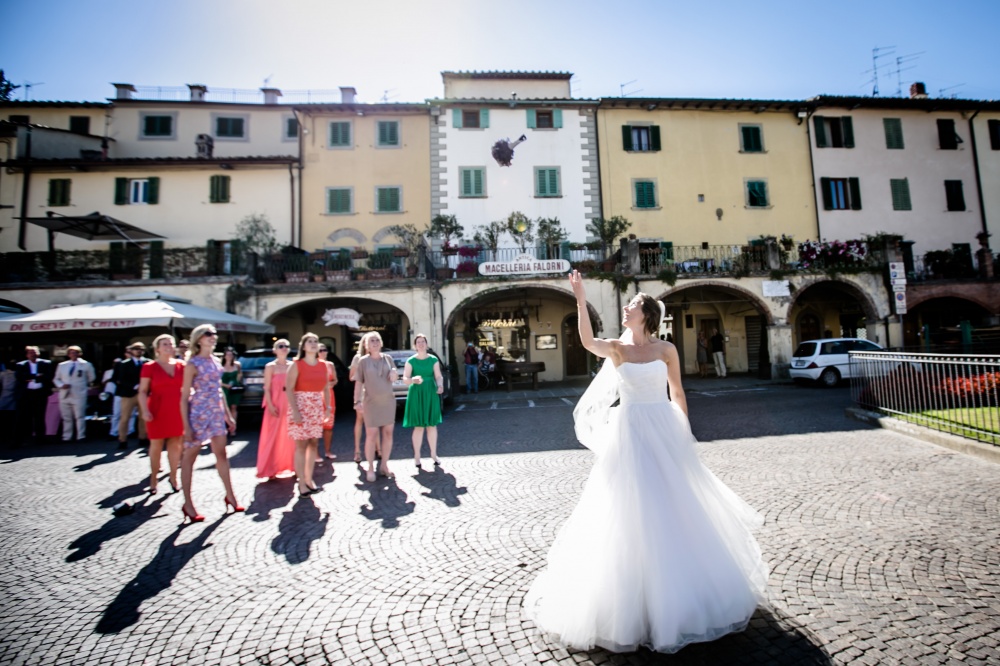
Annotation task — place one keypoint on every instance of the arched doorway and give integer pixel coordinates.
(808, 327)
(833, 309)
(951, 325)
(575, 356)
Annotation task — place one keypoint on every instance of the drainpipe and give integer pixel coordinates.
(291, 202)
(812, 171)
(975, 164)
(25, 190)
(301, 159)
(436, 289)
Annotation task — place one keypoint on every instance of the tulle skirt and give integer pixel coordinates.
(658, 552)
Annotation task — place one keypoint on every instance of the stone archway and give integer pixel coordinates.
(943, 324)
(842, 308)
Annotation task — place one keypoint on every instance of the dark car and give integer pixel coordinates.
(253, 362)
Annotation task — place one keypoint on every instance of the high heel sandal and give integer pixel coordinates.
(416, 463)
(173, 487)
(387, 474)
(236, 507)
(357, 458)
(193, 517)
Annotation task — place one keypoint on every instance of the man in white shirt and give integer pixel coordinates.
(73, 379)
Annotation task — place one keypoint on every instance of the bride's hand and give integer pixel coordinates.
(576, 281)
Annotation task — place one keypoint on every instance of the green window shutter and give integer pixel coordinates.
(667, 250)
(156, 259)
(557, 118)
(456, 118)
(339, 201)
(757, 193)
(383, 199)
(540, 182)
(531, 118)
(644, 195)
(994, 127)
(946, 134)
(484, 118)
(383, 133)
(900, 188)
(654, 137)
(59, 191)
(824, 186)
(893, 133)
(466, 182)
(751, 139)
(219, 189)
(855, 188)
(394, 198)
(121, 191)
(393, 134)
(954, 195)
(53, 191)
(225, 189)
(627, 137)
(153, 191)
(820, 127)
(477, 182)
(553, 182)
(847, 125)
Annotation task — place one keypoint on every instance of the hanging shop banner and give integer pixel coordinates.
(342, 317)
(524, 264)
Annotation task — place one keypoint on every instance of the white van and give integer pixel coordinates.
(827, 361)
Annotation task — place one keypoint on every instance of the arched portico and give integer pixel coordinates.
(832, 308)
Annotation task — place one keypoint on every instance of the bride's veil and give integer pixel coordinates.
(592, 413)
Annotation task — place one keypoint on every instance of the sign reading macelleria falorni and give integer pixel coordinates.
(524, 264)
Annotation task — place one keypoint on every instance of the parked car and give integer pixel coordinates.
(827, 361)
(253, 362)
(399, 357)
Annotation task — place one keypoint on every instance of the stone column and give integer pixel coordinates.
(779, 343)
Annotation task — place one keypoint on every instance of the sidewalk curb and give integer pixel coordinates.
(946, 440)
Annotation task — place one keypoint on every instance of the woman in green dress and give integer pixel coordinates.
(232, 375)
(423, 399)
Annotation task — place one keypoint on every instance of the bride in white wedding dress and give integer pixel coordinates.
(658, 552)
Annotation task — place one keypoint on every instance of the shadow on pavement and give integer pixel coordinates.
(270, 495)
(152, 579)
(386, 501)
(117, 526)
(128, 492)
(441, 486)
(769, 639)
(298, 528)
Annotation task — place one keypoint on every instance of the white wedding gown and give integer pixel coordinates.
(658, 552)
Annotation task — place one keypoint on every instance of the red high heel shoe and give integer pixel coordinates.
(236, 507)
(194, 517)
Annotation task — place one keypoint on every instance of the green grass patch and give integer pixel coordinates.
(981, 423)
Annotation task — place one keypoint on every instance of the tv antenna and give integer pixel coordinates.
(267, 80)
(904, 60)
(942, 91)
(386, 96)
(622, 86)
(879, 52)
(28, 85)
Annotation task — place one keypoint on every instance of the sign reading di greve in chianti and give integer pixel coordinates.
(523, 264)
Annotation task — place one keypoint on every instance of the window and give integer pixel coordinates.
(841, 193)
(79, 124)
(137, 191)
(644, 192)
(641, 138)
(388, 133)
(218, 190)
(756, 196)
(230, 127)
(291, 128)
(953, 193)
(340, 134)
(544, 118)
(751, 139)
(157, 126)
(948, 139)
(900, 188)
(23, 120)
(547, 182)
(473, 181)
(994, 127)
(893, 133)
(387, 200)
(59, 191)
(470, 118)
(339, 200)
(834, 132)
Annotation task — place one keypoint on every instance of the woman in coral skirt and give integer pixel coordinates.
(275, 449)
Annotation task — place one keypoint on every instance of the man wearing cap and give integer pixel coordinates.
(73, 379)
(126, 379)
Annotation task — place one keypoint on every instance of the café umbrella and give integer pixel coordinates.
(151, 308)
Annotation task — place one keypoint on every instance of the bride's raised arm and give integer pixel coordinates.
(597, 346)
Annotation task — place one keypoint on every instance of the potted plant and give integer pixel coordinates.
(551, 234)
(338, 268)
(608, 230)
(787, 242)
(359, 253)
(411, 240)
(446, 228)
(468, 268)
(359, 273)
(380, 266)
(521, 229)
(489, 235)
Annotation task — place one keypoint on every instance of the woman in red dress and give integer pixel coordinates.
(308, 389)
(275, 449)
(160, 405)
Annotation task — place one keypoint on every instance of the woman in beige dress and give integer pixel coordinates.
(373, 397)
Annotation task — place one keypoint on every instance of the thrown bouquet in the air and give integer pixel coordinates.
(503, 150)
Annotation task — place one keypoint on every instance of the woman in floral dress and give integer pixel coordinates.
(308, 387)
(205, 415)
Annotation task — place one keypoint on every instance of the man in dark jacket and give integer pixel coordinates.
(126, 379)
(34, 385)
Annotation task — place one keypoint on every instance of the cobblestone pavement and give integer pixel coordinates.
(884, 549)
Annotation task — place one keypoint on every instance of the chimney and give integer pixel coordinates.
(123, 90)
(347, 94)
(271, 95)
(918, 90)
(197, 92)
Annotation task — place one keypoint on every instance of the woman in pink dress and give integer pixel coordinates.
(275, 449)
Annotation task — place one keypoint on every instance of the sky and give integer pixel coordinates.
(395, 50)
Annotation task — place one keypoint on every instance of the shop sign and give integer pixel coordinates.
(341, 317)
(776, 288)
(501, 323)
(524, 264)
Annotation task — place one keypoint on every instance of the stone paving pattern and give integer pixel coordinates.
(884, 549)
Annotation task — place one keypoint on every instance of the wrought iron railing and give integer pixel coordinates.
(950, 393)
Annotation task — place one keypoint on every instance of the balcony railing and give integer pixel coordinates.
(125, 263)
(957, 394)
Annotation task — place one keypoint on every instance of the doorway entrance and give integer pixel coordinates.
(575, 353)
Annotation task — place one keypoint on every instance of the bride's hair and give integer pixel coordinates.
(652, 313)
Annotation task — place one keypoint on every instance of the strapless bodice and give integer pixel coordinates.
(642, 382)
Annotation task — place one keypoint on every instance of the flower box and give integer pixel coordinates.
(379, 273)
(445, 273)
(359, 254)
(400, 252)
(338, 276)
(297, 277)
